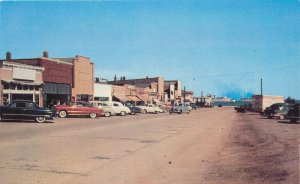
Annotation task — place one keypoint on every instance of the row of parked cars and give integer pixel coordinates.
(278, 110)
(23, 109)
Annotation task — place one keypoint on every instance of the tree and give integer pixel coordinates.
(290, 100)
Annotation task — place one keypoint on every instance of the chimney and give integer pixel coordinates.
(115, 78)
(45, 54)
(8, 56)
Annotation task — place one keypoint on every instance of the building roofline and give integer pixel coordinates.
(10, 63)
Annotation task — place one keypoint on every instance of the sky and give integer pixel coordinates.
(218, 47)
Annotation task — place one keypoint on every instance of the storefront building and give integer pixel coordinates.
(57, 78)
(83, 78)
(20, 82)
(154, 86)
(102, 92)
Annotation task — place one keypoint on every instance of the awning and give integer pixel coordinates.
(142, 98)
(22, 82)
(133, 98)
(122, 98)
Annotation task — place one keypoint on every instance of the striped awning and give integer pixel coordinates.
(133, 98)
(122, 98)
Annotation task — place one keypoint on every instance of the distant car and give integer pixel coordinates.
(220, 105)
(112, 108)
(134, 109)
(150, 108)
(180, 108)
(293, 114)
(194, 106)
(277, 110)
(78, 109)
(243, 108)
(26, 110)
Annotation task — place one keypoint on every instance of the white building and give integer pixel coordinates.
(102, 92)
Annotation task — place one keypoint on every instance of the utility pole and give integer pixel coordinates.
(261, 87)
(184, 94)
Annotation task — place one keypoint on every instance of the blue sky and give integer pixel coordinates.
(218, 47)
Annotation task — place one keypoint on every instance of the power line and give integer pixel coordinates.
(249, 72)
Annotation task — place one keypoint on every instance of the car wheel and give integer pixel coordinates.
(107, 114)
(156, 112)
(132, 113)
(1, 118)
(144, 111)
(123, 113)
(171, 112)
(40, 119)
(62, 114)
(93, 115)
(281, 117)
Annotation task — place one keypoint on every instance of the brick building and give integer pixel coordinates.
(57, 77)
(83, 78)
(154, 87)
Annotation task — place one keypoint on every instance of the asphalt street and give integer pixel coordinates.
(214, 145)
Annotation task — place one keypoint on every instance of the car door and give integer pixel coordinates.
(16, 110)
(31, 110)
(116, 108)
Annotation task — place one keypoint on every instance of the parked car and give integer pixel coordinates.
(150, 108)
(220, 105)
(293, 113)
(26, 110)
(78, 109)
(194, 106)
(181, 108)
(112, 108)
(243, 108)
(134, 109)
(277, 110)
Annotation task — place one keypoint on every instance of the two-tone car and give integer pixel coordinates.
(112, 108)
(26, 110)
(181, 108)
(150, 108)
(78, 109)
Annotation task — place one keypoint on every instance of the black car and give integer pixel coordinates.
(26, 110)
(293, 114)
(277, 110)
(134, 109)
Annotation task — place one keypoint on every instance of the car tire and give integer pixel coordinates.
(1, 117)
(132, 113)
(281, 117)
(144, 111)
(40, 119)
(62, 114)
(93, 115)
(122, 113)
(107, 114)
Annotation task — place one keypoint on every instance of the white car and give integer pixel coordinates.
(112, 108)
(150, 108)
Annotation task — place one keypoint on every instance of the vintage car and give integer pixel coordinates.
(78, 109)
(293, 114)
(243, 108)
(112, 108)
(277, 110)
(181, 108)
(26, 110)
(150, 108)
(134, 109)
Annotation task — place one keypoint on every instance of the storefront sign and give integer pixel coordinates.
(24, 74)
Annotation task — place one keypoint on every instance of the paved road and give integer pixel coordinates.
(207, 146)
